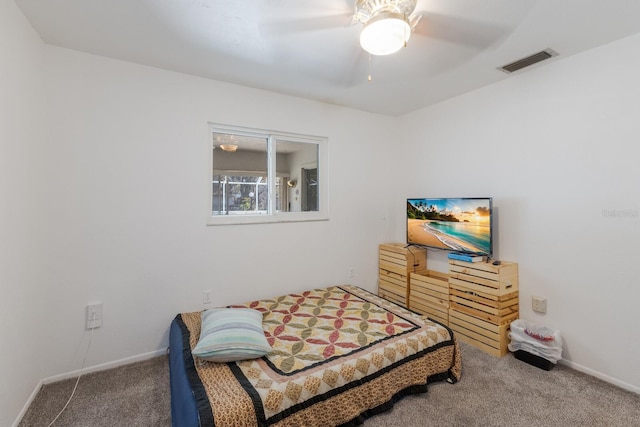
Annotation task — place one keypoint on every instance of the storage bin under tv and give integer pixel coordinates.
(483, 301)
(429, 294)
(395, 262)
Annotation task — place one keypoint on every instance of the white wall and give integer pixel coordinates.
(21, 235)
(127, 203)
(555, 147)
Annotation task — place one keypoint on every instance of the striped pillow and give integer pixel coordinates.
(229, 334)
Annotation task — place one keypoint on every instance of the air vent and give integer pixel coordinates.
(529, 60)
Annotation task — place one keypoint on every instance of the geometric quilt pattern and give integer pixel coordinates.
(312, 327)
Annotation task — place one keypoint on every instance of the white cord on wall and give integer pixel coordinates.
(84, 359)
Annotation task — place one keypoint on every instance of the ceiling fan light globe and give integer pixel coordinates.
(385, 34)
(230, 148)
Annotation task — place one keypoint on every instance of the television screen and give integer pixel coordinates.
(454, 224)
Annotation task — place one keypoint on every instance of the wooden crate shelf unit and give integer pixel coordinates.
(395, 262)
(483, 301)
(429, 294)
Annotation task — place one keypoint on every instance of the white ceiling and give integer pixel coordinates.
(309, 48)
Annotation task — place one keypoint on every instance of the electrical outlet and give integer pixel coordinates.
(538, 304)
(206, 296)
(94, 315)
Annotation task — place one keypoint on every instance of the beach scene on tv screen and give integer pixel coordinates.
(462, 225)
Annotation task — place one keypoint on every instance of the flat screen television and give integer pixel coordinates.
(463, 224)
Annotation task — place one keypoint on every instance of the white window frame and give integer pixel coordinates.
(272, 216)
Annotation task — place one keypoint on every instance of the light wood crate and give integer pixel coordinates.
(429, 294)
(490, 308)
(486, 336)
(396, 261)
(483, 301)
(485, 277)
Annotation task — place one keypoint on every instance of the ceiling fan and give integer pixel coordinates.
(390, 23)
(386, 27)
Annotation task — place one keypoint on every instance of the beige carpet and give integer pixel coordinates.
(492, 392)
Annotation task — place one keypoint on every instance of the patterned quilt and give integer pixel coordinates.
(340, 354)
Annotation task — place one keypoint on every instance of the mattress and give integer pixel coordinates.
(339, 355)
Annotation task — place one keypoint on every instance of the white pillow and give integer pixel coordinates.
(230, 334)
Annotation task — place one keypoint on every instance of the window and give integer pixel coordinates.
(261, 176)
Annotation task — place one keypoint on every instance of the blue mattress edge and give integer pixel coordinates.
(184, 411)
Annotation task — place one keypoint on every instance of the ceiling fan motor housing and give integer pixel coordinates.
(369, 9)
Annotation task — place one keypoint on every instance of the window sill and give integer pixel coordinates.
(267, 219)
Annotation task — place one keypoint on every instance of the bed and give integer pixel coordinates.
(339, 355)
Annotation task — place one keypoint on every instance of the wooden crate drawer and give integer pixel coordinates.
(430, 285)
(395, 262)
(491, 308)
(390, 287)
(485, 277)
(397, 257)
(415, 298)
(486, 336)
(391, 295)
(390, 276)
(429, 294)
(434, 311)
(483, 301)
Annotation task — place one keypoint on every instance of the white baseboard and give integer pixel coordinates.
(27, 404)
(90, 369)
(105, 366)
(599, 375)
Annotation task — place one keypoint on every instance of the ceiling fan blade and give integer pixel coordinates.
(461, 31)
(292, 26)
